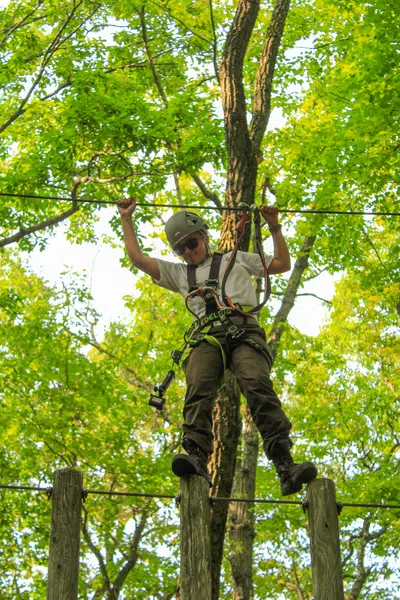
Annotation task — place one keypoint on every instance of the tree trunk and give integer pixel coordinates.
(242, 148)
(241, 181)
(289, 298)
(242, 164)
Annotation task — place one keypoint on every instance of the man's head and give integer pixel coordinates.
(187, 234)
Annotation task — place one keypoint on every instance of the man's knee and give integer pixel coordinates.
(257, 385)
(203, 368)
(201, 389)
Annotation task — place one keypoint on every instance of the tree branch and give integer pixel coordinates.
(149, 56)
(65, 215)
(142, 384)
(133, 554)
(231, 74)
(206, 192)
(39, 226)
(293, 285)
(214, 43)
(362, 572)
(62, 86)
(95, 551)
(299, 591)
(91, 179)
(317, 274)
(167, 10)
(55, 45)
(178, 188)
(265, 73)
(304, 294)
(365, 538)
(22, 23)
(267, 186)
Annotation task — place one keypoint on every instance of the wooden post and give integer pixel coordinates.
(62, 582)
(195, 539)
(323, 520)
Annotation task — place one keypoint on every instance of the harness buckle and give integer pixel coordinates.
(176, 356)
(196, 341)
(208, 295)
(212, 283)
(234, 332)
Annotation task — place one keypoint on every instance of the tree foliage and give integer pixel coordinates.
(102, 100)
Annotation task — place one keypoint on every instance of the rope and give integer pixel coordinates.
(222, 208)
(212, 498)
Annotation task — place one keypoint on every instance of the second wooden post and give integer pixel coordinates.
(62, 581)
(327, 579)
(195, 539)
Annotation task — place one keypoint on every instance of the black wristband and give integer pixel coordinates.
(275, 228)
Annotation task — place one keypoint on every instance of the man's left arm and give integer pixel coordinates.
(281, 260)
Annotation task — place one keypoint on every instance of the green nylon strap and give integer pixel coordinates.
(214, 342)
(211, 340)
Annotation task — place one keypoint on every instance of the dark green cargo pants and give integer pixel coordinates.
(204, 370)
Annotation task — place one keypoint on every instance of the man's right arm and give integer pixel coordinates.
(145, 263)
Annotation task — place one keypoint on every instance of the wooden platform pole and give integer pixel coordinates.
(323, 520)
(195, 539)
(62, 583)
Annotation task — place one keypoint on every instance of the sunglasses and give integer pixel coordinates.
(191, 244)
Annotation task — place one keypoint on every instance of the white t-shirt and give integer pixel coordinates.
(239, 286)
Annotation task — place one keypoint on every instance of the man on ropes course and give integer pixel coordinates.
(225, 334)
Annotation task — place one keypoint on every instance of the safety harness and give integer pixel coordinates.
(215, 310)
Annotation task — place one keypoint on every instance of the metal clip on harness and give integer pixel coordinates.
(207, 293)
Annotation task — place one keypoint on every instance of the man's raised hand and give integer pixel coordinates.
(127, 206)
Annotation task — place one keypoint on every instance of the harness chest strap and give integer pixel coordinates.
(212, 280)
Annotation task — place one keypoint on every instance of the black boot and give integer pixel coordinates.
(291, 474)
(193, 463)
